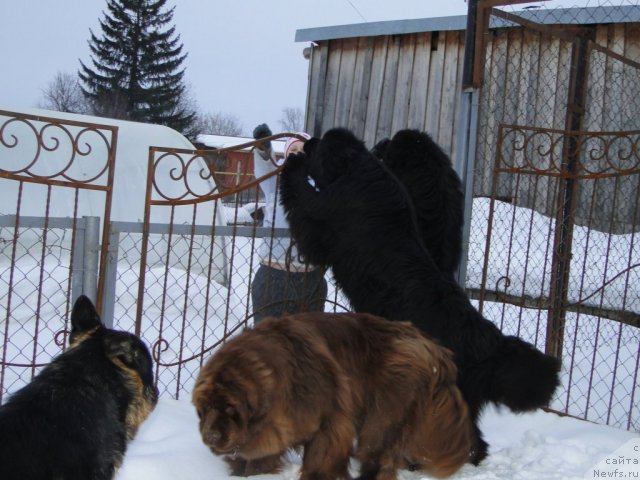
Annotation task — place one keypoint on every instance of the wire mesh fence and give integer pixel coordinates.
(200, 292)
(554, 254)
(49, 168)
(187, 311)
(32, 283)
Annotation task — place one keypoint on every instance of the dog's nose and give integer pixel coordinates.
(212, 437)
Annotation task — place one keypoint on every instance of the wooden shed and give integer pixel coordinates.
(548, 124)
(376, 78)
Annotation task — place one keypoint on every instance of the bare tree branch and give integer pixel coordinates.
(64, 94)
(292, 119)
(216, 123)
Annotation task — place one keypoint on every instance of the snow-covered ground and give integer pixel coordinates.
(522, 237)
(536, 446)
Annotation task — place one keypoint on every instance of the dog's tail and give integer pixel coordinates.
(523, 378)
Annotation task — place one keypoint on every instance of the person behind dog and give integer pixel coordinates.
(283, 283)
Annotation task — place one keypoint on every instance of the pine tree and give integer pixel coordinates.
(136, 71)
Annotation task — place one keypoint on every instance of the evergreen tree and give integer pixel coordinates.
(136, 71)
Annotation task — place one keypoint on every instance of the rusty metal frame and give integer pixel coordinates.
(479, 14)
(73, 142)
(571, 156)
(584, 144)
(483, 10)
(572, 159)
(583, 43)
(72, 132)
(184, 195)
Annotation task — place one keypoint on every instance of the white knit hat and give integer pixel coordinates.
(292, 140)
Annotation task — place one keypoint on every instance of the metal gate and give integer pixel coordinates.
(50, 168)
(557, 208)
(196, 271)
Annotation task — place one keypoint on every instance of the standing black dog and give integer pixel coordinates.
(358, 219)
(73, 421)
(435, 190)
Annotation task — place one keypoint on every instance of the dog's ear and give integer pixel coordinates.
(380, 148)
(127, 351)
(121, 346)
(84, 318)
(310, 146)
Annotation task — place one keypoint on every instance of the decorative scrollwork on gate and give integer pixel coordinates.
(53, 150)
(545, 151)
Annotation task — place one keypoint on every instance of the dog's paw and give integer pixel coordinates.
(296, 163)
(296, 160)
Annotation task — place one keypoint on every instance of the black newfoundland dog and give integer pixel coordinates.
(358, 219)
(435, 190)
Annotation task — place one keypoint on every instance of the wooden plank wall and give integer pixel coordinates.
(376, 86)
(527, 83)
(613, 99)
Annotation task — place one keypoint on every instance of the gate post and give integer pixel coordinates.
(110, 272)
(565, 212)
(91, 256)
(467, 129)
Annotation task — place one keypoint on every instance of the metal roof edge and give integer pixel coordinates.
(564, 16)
(389, 27)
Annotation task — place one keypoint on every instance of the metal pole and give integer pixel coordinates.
(563, 239)
(91, 257)
(110, 272)
(469, 44)
(464, 166)
(77, 275)
(467, 134)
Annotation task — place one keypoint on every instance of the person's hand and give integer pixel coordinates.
(262, 131)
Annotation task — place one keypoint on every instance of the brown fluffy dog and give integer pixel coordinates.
(321, 380)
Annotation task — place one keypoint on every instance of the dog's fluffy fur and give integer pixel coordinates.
(320, 380)
(435, 190)
(358, 219)
(73, 421)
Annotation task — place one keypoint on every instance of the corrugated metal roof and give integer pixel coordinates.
(564, 16)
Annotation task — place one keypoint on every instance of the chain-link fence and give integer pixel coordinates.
(553, 253)
(30, 289)
(50, 168)
(189, 310)
(197, 272)
(553, 250)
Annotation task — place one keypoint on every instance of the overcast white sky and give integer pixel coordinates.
(242, 61)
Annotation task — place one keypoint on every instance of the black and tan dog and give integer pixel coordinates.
(74, 420)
